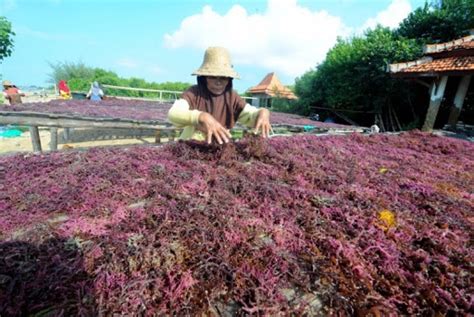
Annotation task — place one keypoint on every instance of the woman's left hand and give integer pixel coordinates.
(263, 122)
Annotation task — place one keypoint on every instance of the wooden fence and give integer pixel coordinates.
(162, 95)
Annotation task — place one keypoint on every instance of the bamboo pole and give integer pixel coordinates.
(35, 138)
(53, 144)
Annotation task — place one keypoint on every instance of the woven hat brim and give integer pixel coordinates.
(210, 72)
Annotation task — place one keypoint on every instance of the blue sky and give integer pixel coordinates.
(164, 40)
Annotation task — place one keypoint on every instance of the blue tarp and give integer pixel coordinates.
(10, 133)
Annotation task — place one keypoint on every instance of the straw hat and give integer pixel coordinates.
(216, 63)
(7, 83)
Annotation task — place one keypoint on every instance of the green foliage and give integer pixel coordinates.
(353, 76)
(6, 38)
(80, 77)
(439, 22)
(282, 105)
(76, 74)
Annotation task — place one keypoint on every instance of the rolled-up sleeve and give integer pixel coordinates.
(248, 116)
(181, 116)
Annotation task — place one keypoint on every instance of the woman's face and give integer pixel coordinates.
(216, 85)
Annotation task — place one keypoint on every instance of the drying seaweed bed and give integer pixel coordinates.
(109, 108)
(134, 109)
(337, 225)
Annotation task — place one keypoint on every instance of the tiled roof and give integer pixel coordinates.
(271, 86)
(464, 43)
(442, 65)
(450, 58)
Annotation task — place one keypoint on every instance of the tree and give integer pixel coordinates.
(6, 38)
(353, 76)
(80, 77)
(440, 21)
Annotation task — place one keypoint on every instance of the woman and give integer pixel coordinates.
(64, 91)
(12, 93)
(211, 108)
(95, 93)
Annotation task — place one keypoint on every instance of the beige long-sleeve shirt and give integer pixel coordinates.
(182, 117)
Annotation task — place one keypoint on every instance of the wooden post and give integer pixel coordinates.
(459, 100)
(380, 122)
(35, 138)
(53, 144)
(437, 93)
(396, 119)
(158, 136)
(67, 134)
(171, 135)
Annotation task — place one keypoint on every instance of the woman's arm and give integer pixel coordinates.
(180, 115)
(258, 118)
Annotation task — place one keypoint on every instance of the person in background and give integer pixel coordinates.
(12, 93)
(64, 91)
(211, 108)
(95, 93)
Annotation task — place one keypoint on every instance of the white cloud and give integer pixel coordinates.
(390, 17)
(286, 37)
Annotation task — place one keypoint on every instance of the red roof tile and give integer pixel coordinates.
(464, 43)
(271, 86)
(450, 58)
(442, 65)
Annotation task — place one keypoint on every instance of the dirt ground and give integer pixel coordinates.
(23, 143)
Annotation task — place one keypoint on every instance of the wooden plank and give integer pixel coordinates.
(35, 138)
(95, 134)
(53, 144)
(77, 122)
(29, 114)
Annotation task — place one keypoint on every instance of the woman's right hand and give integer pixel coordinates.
(212, 128)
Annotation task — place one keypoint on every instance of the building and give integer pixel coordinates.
(440, 62)
(270, 87)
